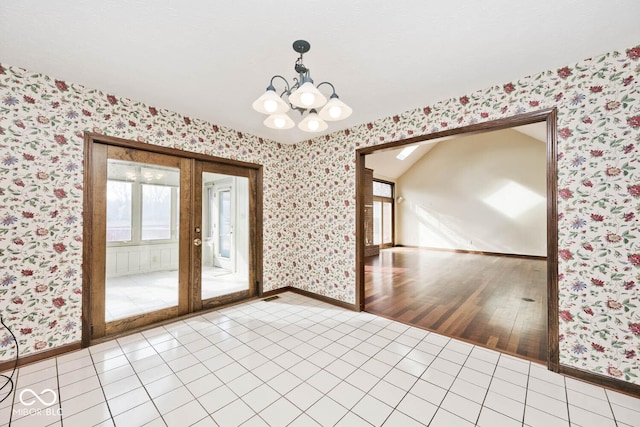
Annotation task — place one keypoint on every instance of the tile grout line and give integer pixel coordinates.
(392, 367)
(59, 394)
(566, 394)
(526, 394)
(373, 358)
(613, 413)
(335, 341)
(453, 392)
(93, 364)
(304, 320)
(141, 383)
(175, 373)
(223, 383)
(488, 389)
(335, 357)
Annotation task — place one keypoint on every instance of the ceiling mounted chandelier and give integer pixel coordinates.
(302, 96)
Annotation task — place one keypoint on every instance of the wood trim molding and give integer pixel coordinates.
(601, 380)
(465, 251)
(360, 232)
(328, 300)
(46, 354)
(128, 143)
(553, 327)
(332, 301)
(273, 292)
(508, 122)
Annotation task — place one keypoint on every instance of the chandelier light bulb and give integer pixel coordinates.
(279, 122)
(269, 103)
(313, 125)
(270, 106)
(307, 96)
(335, 112)
(307, 99)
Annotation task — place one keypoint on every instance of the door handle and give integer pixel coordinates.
(197, 242)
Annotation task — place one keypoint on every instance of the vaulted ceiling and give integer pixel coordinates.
(386, 164)
(212, 59)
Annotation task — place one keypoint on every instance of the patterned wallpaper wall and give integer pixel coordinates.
(598, 103)
(42, 121)
(309, 238)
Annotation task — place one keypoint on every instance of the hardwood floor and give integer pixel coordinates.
(494, 301)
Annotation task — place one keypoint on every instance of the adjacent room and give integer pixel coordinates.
(458, 238)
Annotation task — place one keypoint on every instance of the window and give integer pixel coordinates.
(383, 189)
(142, 203)
(119, 207)
(156, 212)
(224, 220)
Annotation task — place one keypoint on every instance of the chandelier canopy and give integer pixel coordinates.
(303, 96)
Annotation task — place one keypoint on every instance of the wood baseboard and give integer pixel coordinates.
(7, 365)
(308, 294)
(322, 298)
(601, 380)
(465, 251)
(274, 292)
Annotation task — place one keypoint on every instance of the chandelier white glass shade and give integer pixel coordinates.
(335, 110)
(307, 96)
(312, 123)
(279, 121)
(270, 103)
(303, 96)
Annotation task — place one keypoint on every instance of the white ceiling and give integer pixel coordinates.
(211, 59)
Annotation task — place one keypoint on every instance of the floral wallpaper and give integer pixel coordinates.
(309, 189)
(598, 104)
(42, 121)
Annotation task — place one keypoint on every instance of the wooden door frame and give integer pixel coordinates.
(95, 169)
(98, 185)
(197, 303)
(550, 117)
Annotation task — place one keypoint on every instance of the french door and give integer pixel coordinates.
(165, 235)
(383, 213)
(222, 211)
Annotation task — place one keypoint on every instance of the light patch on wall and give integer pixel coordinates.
(406, 152)
(513, 199)
(434, 232)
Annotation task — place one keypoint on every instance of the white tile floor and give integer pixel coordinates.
(296, 361)
(143, 293)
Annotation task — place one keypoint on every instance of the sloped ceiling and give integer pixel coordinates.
(212, 59)
(387, 166)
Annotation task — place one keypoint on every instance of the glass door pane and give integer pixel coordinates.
(377, 222)
(224, 219)
(225, 231)
(142, 253)
(387, 223)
